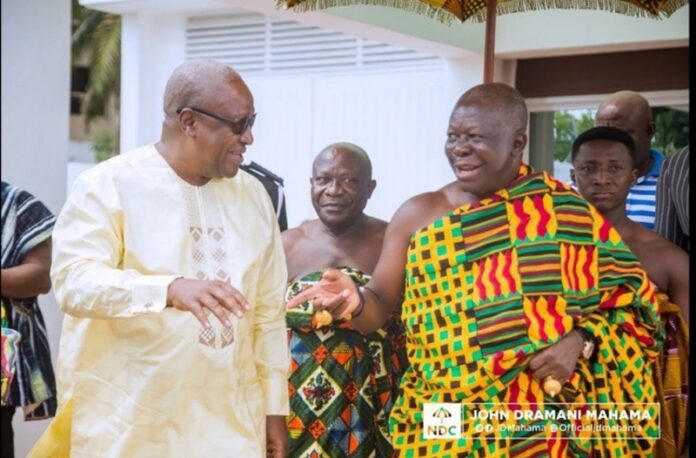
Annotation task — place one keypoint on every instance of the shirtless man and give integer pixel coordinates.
(356, 375)
(604, 171)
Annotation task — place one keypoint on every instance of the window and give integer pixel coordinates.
(79, 79)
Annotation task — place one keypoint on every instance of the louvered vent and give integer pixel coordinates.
(254, 44)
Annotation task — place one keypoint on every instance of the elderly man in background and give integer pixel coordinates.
(169, 265)
(630, 112)
(343, 383)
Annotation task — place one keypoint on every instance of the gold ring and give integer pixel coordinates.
(551, 386)
(323, 318)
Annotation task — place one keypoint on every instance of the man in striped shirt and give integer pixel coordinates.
(672, 218)
(630, 112)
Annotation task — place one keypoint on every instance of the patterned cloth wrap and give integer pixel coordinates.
(10, 340)
(671, 380)
(494, 282)
(342, 384)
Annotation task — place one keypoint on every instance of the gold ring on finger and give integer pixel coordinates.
(551, 386)
(323, 317)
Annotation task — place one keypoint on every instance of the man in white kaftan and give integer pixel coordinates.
(169, 266)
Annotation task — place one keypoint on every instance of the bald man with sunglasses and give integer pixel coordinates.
(169, 266)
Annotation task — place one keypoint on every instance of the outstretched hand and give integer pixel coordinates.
(335, 293)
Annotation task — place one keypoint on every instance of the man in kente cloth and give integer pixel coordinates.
(517, 294)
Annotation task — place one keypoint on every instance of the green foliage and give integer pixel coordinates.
(104, 145)
(671, 130)
(566, 126)
(98, 35)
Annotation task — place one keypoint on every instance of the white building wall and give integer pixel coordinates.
(399, 119)
(35, 124)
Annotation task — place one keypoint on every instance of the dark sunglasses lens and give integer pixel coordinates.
(243, 124)
(249, 122)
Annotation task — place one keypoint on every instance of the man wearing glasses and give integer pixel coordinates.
(169, 266)
(272, 182)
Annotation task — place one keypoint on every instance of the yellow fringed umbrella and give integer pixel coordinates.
(447, 11)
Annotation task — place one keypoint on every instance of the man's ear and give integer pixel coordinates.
(187, 123)
(651, 129)
(572, 176)
(519, 143)
(636, 174)
(371, 187)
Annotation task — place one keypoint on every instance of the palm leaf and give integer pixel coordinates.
(97, 35)
(104, 75)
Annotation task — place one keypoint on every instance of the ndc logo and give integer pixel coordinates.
(442, 420)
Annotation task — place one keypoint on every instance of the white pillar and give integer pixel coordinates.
(35, 129)
(152, 46)
(36, 96)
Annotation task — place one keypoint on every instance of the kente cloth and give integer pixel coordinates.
(137, 378)
(26, 223)
(671, 380)
(491, 284)
(343, 383)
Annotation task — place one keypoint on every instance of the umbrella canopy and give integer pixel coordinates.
(486, 11)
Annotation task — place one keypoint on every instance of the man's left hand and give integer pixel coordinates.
(276, 436)
(559, 359)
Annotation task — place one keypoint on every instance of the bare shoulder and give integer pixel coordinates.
(651, 238)
(652, 247)
(420, 210)
(376, 226)
(295, 235)
(291, 235)
(670, 250)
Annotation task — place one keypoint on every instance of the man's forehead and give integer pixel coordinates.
(626, 110)
(235, 88)
(609, 111)
(339, 158)
(335, 158)
(482, 110)
(603, 148)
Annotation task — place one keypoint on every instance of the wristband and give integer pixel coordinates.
(361, 303)
(588, 342)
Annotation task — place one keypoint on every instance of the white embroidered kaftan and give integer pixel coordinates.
(136, 378)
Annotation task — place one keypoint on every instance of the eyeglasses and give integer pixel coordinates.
(238, 126)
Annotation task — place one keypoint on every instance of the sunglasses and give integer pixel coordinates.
(238, 126)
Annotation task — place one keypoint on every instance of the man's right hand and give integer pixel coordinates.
(197, 295)
(335, 293)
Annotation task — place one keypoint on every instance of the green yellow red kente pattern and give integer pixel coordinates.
(494, 282)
